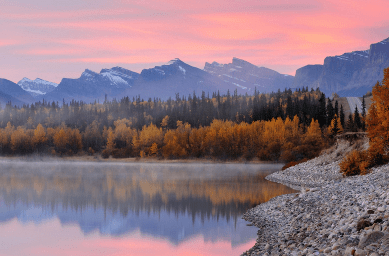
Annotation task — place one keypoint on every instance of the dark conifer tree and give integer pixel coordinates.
(330, 112)
(336, 109)
(341, 115)
(357, 118)
(363, 114)
(321, 114)
(289, 107)
(335, 128)
(350, 125)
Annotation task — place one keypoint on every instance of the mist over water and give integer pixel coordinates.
(176, 203)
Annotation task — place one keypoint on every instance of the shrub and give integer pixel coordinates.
(355, 163)
(106, 153)
(120, 153)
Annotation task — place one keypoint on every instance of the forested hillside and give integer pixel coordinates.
(277, 126)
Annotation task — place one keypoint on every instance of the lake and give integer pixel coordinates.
(110, 208)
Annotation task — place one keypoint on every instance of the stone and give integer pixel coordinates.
(349, 251)
(349, 224)
(370, 238)
(360, 252)
(335, 246)
(362, 224)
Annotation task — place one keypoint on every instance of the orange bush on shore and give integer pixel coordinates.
(355, 163)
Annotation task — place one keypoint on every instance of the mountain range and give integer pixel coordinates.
(350, 74)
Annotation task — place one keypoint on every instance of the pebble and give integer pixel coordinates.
(322, 218)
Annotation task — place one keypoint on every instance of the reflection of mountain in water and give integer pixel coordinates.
(169, 201)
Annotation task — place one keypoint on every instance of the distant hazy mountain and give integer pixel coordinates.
(5, 98)
(247, 76)
(37, 87)
(349, 74)
(177, 77)
(93, 86)
(9, 91)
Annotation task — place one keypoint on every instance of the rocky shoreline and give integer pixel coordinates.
(331, 215)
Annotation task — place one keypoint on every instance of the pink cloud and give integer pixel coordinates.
(280, 35)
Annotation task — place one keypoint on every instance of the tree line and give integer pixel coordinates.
(282, 125)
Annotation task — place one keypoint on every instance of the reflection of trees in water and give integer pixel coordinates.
(140, 191)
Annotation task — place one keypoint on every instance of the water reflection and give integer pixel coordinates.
(175, 202)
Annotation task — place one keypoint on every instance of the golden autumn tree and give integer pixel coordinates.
(110, 139)
(291, 142)
(92, 138)
(60, 140)
(147, 136)
(3, 140)
(378, 120)
(196, 141)
(39, 139)
(273, 137)
(124, 134)
(20, 141)
(74, 140)
(313, 141)
(176, 142)
(165, 122)
(335, 127)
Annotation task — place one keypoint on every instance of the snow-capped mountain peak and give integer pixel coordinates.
(119, 77)
(385, 41)
(173, 61)
(37, 87)
(88, 73)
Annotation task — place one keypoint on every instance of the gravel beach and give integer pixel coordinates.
(331, 215)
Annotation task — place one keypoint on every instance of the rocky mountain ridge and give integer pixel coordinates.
(350, 74)
(37, 87)
(248, 76)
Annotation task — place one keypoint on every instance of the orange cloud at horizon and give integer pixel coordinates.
(53, 40)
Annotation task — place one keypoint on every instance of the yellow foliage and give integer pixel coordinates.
(60, 140)
(39, 135)
(165, 121)
(149, 135)
(355, 163)
(20, 142)
(378, 120)
(335, 127)
(176, 142)
(110, 140)
(153, 151)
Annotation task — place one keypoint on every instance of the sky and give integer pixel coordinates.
(53, 39)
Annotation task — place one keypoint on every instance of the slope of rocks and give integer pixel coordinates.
(331, 215)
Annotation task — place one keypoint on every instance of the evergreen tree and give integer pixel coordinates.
(321, 114)
(330, 112)
(357, 118)
(363, 114)
(350, 125)
(341, 115)
(336, 108)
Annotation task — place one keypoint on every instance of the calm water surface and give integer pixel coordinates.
(92, 208)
